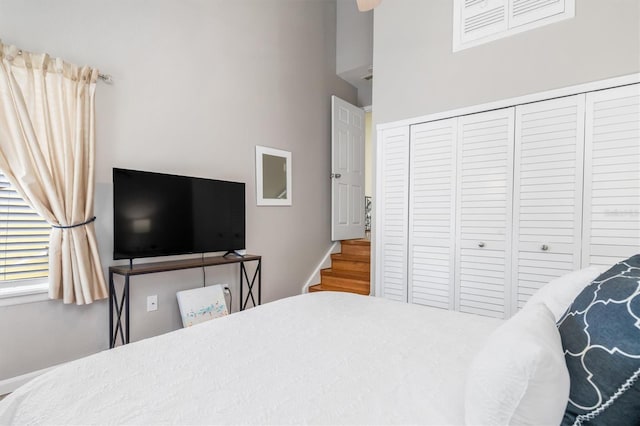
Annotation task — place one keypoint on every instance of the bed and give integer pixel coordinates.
(339, 358)
(319, 358)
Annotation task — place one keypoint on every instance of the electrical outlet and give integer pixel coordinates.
(152, 303)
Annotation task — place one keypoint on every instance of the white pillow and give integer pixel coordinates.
(559, 293)
(519, 377)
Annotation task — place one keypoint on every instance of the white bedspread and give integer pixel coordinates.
(321, 358)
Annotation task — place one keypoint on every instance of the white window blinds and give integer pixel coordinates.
(480, 21)
(24, 237)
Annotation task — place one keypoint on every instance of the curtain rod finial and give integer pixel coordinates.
(106, 78)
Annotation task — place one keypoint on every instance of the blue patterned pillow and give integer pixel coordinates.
(601, 340)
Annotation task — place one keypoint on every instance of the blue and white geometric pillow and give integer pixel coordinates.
(601, 340)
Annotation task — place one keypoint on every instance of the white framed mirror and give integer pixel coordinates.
(273, 177)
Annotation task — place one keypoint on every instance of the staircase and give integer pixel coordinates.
(350, 270)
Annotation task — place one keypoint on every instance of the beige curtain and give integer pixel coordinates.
(47, 151)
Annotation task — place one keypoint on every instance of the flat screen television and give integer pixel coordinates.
(156, 214)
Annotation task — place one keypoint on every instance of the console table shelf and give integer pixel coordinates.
(120, 305)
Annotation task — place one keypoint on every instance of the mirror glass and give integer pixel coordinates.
(273, 177)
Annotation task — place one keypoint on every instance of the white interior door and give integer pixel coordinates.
(347, 170)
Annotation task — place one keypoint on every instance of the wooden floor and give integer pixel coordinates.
(350, 269)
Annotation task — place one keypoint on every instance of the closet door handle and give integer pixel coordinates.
(481, 244)
(336, 175)
(544, 247)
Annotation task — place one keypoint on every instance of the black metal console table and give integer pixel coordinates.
(120, 305)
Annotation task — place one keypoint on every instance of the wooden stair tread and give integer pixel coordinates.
(351, 257)
(348, 275)
(359, 242)
(351, 263)
(346, 285)
(323, 287)
(356, 249)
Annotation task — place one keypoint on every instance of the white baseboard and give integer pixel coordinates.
(324, 263)
(13, 383)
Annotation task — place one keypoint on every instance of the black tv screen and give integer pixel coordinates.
(156, 214)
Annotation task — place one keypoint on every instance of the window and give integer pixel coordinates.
(480, 21)
(24, 238)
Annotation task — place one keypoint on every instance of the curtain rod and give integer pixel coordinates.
(104, 77)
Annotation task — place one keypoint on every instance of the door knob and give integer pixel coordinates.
(544, 247)
(336, 175)
(481, 244)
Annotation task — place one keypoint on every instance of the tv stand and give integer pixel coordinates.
(119, 303)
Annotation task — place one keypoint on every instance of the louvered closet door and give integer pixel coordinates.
(612, 176)
(431, 213)
(547, 193)
(393, 215)
(484, 209)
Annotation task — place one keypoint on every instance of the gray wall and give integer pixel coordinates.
(198, 84)
(416, 72)
(354, 37)
(354, 47)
